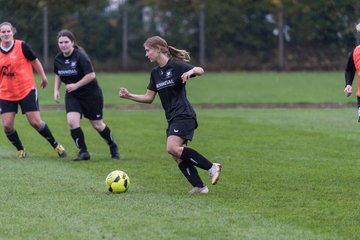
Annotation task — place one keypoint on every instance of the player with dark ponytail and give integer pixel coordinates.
(83, 95)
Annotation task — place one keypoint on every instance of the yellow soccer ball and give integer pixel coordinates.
(117, 181)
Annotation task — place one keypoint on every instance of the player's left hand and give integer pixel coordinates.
(187, 75)
(43, 83)
(71, 87)
(348, 90)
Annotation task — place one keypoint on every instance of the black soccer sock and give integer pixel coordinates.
(14, 139)
(46, 133)
(358, 102)
(195, 158)
(79, 138)
(107, 136)
(191, 174)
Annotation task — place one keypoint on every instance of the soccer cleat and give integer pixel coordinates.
(359, 115)
(203, 190)
(60, 151)
(114, 151)
(214, 173)
(82, 155)
(21, 153)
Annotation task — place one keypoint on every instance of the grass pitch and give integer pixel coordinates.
(237, 87)
(288, 174)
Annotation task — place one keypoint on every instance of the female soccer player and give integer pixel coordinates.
(18, 87)
(83, 95)
(169, 79)
(353, 65)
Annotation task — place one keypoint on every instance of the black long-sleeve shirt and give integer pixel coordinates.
(350, 70)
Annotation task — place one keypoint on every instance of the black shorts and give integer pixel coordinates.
(90, 105)
(30, 103)
(184, 128)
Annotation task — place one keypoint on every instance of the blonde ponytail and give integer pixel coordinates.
(179, 54)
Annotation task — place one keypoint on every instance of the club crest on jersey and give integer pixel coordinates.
(168, 74)
(73, 64)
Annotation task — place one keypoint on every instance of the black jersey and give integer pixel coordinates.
(168, 83)
(73, 68)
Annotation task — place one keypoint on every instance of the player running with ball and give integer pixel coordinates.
(169, 80)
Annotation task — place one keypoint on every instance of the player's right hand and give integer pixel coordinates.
(348, 90)
(57, 97)
(123, 92)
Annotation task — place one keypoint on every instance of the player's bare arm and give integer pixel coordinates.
(148, 97)
(197, 71)
(39, 69)
(85, 80)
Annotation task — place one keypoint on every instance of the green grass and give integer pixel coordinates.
(288, 174)
(238, 87)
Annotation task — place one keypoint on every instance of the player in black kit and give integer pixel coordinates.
(83, 95)
(169, 79)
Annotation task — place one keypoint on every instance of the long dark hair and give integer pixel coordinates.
(67, 33)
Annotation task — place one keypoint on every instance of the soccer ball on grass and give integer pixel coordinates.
(117, 181)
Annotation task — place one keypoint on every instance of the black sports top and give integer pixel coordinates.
(73, 68)
(350, 70)
(168, 83)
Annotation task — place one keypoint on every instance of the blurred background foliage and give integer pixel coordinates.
(221, 35)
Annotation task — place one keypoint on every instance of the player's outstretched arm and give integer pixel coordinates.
(148, 97)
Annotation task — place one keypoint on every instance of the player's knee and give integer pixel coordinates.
(169, 150)
(98, 128)
(173, 151)
(98, 125)
(8, 129)
(73, 124)
(36, 124)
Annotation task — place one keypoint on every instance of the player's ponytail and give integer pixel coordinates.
(179, 54)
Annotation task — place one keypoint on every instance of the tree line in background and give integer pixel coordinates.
(221, 35)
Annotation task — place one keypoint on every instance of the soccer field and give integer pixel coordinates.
(287, 173)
